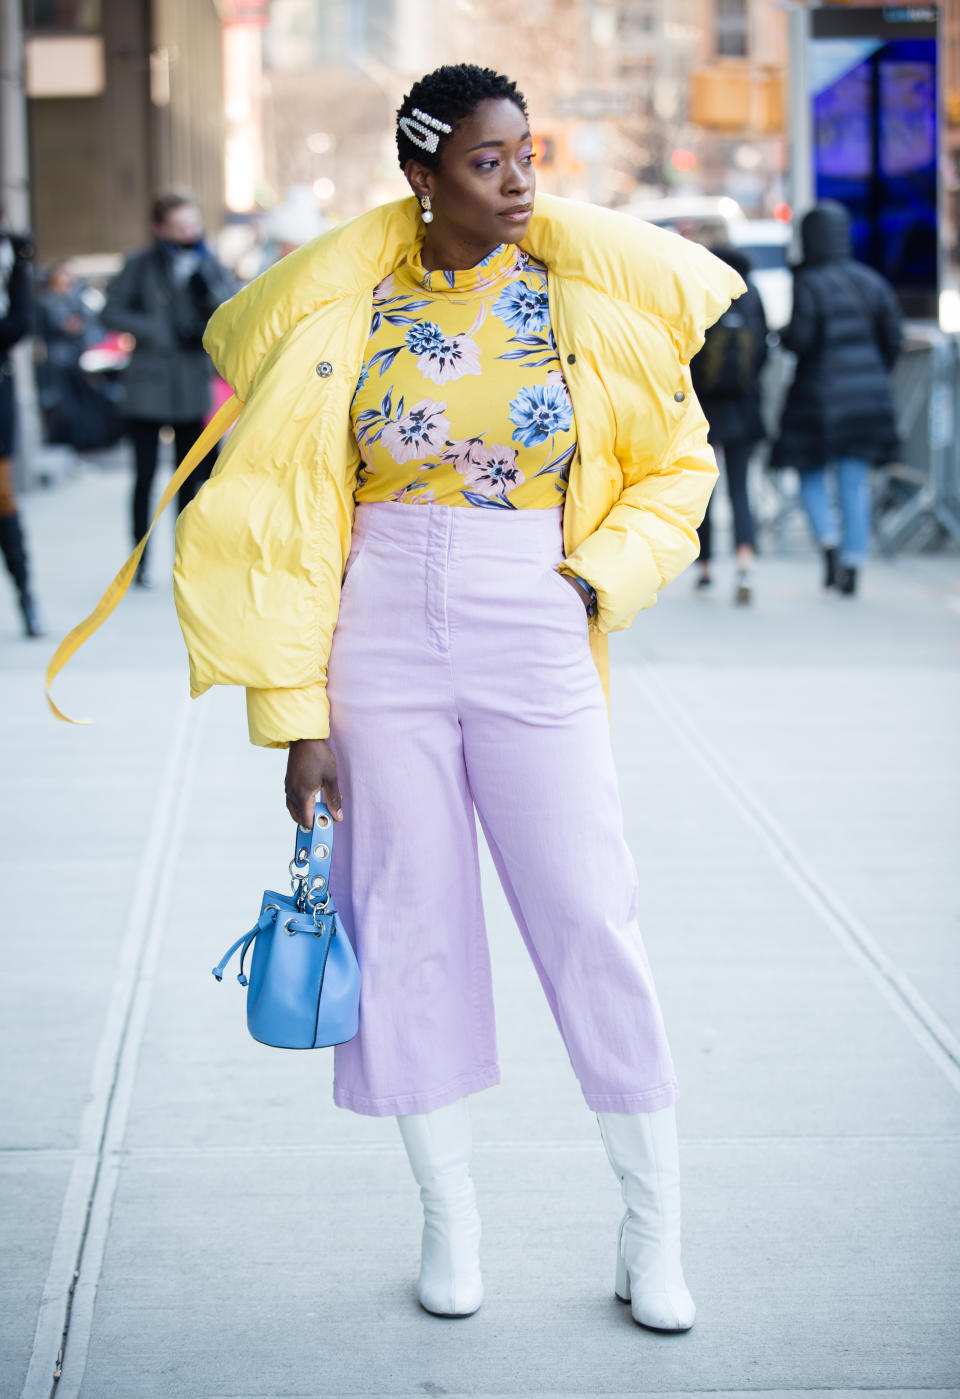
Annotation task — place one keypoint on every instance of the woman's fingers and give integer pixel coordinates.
(332, 797)
(311, 769)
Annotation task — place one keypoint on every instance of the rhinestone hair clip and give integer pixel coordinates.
(424, 130)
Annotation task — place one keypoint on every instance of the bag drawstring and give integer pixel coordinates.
(224, 417)
(245, 942)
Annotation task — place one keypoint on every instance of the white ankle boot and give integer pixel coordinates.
(439, 1145)
(642, 1147)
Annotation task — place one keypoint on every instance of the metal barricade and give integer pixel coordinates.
(920, 495)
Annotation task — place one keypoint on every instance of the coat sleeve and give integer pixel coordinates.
(275, 718)
(650, 534)
(18, 319)
(802, 333)
(124, 309)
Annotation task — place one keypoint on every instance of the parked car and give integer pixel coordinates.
(703, 218)
(766, 243)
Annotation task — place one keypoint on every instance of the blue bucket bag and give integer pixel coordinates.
(304, 985)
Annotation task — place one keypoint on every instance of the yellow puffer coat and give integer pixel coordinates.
(261, 550)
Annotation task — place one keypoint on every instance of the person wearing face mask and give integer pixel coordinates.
(163, 296)
(466, 448)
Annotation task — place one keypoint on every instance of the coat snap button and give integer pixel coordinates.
(679, 396)
(571, 359)
(324, 369)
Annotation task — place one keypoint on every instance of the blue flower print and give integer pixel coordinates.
(364, 376)
(540, 411)
(522, 308)
(424, 336)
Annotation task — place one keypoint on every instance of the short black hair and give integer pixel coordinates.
(449, 94)
(168, 200)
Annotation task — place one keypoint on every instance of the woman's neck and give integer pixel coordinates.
(452, 253)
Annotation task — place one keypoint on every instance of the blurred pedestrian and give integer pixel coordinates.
(16, 314)
(516, 428)
(75, 412)
(726, 381)
(839, 418)
(163, 296)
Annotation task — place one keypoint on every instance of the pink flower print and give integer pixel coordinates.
(493, 471)
(451, 358)
(556, 380)
(415, 492)
(464, 454)
(420, 431)
(385, 288)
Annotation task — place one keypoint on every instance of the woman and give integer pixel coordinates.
(505, 395)
(839, 419)
(726, 378)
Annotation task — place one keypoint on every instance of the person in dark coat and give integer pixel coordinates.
(839, 417)
(65, 327)
(164, 296)
(726, 381)
(16, 314)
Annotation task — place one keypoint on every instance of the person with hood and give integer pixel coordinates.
(16, 314)
(839, 418)
(466, 449)
(726, 379)
(164, 296)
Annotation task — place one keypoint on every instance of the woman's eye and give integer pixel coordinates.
(487, 164)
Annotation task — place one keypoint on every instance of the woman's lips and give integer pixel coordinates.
(517, 215)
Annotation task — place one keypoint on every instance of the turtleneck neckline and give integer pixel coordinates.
(503, 262)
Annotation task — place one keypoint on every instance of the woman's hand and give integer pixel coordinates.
(311, 769)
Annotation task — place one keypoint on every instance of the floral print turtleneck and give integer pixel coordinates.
(461, 399)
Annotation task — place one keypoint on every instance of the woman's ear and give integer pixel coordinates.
(419, 178)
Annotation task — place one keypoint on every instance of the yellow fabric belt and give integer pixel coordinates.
(217, 426)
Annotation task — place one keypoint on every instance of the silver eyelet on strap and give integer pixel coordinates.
(288, 928)
(302, 854)
(323, 822)
(320, 852)
(318, 882)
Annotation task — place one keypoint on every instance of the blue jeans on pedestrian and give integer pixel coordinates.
(850, 529)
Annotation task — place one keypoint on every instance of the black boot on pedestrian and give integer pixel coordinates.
(15, 556)
(846, 580)
(32, 626)
(829, 567)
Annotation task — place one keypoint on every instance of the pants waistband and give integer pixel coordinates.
(462, 529)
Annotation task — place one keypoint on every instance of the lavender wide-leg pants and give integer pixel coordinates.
(461, 679)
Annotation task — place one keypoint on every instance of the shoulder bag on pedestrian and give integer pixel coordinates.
(304, 985)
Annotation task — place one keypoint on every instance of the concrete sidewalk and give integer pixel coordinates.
(789, 779)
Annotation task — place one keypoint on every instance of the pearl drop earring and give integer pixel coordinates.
(425, 206)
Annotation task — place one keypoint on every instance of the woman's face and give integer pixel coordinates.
(483, 191)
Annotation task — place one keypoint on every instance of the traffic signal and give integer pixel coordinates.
(544, 150)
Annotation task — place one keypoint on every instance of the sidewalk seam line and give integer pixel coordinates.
(84, 1184)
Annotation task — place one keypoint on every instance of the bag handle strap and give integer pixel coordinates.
(224, 418)
(312, 855)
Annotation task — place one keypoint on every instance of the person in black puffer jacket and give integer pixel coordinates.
(726, 381)
(839, 415)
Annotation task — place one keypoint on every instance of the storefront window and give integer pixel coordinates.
(62, 16)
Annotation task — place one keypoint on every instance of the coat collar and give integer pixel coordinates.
(660, 273)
